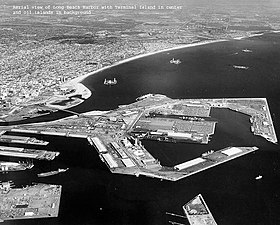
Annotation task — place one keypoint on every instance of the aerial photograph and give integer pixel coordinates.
(139, 112)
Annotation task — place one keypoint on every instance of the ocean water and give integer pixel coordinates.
(92, 195)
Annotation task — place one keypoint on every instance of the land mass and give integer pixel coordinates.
(40, 54)
(37, 201)
(117, 134)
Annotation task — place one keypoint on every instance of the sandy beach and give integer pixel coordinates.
(82, 90)
(81, 78)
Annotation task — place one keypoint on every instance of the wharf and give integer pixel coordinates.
(38, 201)
(116, 135)
(134, 159)
(198, 212)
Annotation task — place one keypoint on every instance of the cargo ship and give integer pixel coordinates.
(22, 140)
(52, 172)
(27, 153)
(14, 166)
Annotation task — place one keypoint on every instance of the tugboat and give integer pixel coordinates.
(52, 172)
(175, 61)
(110, 82)
(240, 67)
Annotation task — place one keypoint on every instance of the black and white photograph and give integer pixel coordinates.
(139, 112)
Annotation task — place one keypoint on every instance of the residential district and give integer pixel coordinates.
(40, 53)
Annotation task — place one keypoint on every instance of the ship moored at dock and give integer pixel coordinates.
(15, 166)
(27, 153)
(22, 140)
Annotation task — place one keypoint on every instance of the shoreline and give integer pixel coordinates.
(83, 77)
(80, 88)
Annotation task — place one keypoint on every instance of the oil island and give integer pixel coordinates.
(116, 135)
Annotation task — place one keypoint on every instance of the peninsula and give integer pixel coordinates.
(116, 135)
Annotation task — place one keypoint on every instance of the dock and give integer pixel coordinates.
(116, 135)
(198, 212)
(31, 202)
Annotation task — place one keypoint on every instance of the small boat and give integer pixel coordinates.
(52, 172)
(240, 67)
(110, 82)
(246, 50)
